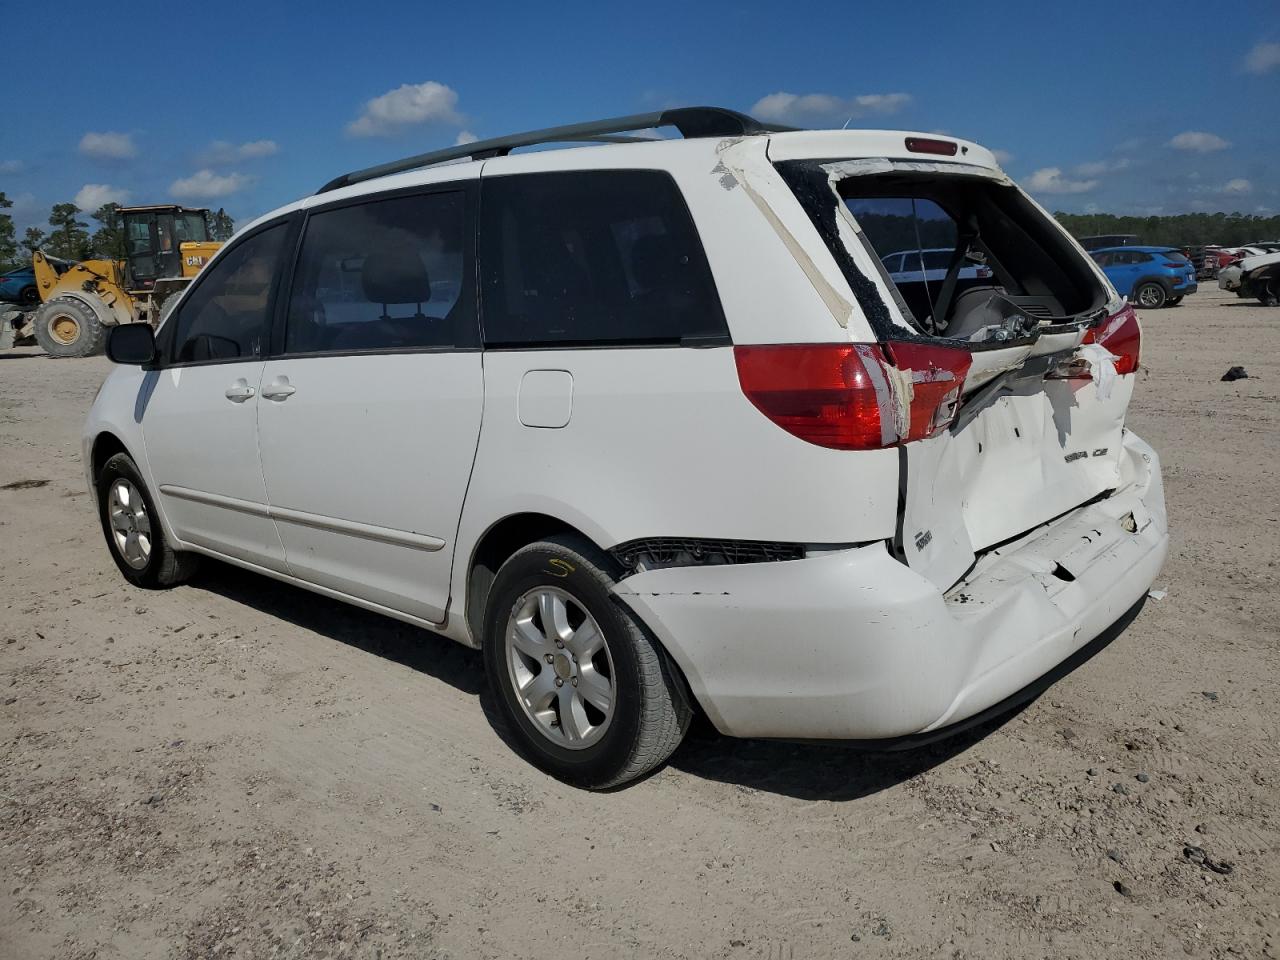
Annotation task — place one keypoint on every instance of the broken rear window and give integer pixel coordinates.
(963, 240)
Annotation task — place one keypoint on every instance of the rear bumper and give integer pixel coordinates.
(1186, 287)
(854, 645)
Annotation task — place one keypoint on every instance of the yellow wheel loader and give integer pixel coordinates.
(165, 246)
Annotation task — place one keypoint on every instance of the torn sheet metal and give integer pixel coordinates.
(1102, 367)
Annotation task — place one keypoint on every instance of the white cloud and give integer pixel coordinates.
(222, 152)
(465, 137)
(1002, 157)
(826, 107)
(1263, 58)
(1237, 186)
(1051, 180)
(207, 185)
(108, 145)
(1099, 167)
(406, 106)
(10, 167)
(94, 195)
(1198, 141)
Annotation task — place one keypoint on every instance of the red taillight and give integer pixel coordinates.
(943, 148)
(854, 396)
(1121, 335)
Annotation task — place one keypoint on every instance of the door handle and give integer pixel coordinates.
(240, 391)
(279, 389)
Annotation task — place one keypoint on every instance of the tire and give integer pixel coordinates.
(133, 531)
(1269, 294)
(648, 709)
(67, 327)
(29, 297)
(1150, 295)
(1174, 301)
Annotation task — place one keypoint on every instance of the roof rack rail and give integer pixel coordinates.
(690, 121)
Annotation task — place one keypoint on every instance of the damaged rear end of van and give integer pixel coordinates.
(1027, 518)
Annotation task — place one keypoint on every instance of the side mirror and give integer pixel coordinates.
(131, 343)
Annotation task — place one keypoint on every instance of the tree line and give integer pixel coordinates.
(1180, 230)
(69, 237)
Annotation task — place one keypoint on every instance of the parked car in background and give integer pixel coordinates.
(1151, 277)
(790, 501)
(1108, 240)
(1254, 276)
(914, 266)
(19, 286)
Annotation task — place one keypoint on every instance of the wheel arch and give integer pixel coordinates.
(498, 542)
(105, 446)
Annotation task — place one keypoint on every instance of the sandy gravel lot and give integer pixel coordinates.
(237, 768)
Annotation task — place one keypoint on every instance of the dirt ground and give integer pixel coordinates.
(237, 768)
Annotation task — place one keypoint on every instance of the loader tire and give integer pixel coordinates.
(67, 327)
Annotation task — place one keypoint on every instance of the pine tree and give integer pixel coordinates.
(35, 239)
(8, 239)
(221, 226)
(109, 239)
(70, 238)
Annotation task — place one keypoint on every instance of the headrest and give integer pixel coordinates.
(395, 275)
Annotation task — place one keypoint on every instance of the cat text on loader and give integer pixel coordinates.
(165, 246)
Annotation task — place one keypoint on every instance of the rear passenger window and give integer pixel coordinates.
(383, 275)
(602, 257)
(225, 317)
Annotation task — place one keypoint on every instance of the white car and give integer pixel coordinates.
(1256, 275)
(650, 425)
(912, 266)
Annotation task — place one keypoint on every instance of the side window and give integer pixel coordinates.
(593, 257)
(1141, 257)
(387, 274)
(225, 317)
(893, 263)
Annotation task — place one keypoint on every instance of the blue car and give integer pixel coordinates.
(1149, 276)
(19, 286)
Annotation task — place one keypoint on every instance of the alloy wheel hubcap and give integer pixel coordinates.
(560, 668)
(130, 524)
(1149, 296)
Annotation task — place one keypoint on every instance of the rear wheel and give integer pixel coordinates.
(1270, 293)
(29, 296)
(1174, 301)
(133, 531)
(1151, 295)
(590, 696)
(67, 327)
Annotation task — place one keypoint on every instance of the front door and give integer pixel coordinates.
(369, 416)
(199, 421)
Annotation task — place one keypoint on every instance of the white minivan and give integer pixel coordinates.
(650, 424)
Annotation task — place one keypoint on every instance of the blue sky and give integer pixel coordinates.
(1120, 107)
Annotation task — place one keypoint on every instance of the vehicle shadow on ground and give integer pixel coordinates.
(808, 771)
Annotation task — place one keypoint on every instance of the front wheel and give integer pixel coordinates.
(1151, 296)
(589, 694)
(29, 297)
(68, 327)
(133, 531)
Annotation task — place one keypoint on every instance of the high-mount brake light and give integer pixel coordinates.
(855, 396)
(942, 148)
